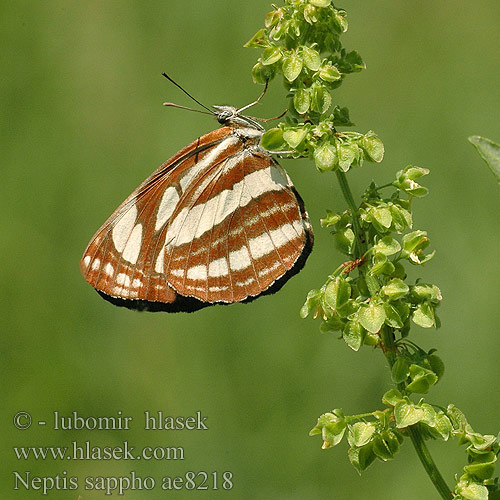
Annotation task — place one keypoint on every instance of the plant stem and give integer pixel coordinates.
(390, 349)
(428, 463)
(358, 233)
(360, 239)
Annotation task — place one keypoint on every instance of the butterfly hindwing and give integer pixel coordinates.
(240, 237)
(220, 222)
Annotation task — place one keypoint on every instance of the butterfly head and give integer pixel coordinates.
(229, 115)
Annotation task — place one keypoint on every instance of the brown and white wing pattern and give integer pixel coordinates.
(220, 222)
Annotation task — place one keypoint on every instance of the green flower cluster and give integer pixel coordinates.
(301, 40)
(359, 307)
(477, 482)
(367, 300)
(378, 435)
(368, 440)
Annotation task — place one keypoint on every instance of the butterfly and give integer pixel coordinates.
(219, 222)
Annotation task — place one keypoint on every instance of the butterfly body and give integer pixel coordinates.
(219, 222)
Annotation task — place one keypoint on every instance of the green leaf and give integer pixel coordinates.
(362, 457)
(407, 414)
(341, 20)
(443, 425)
(321, 99)
(341, 117)
(272, 140)
(415, 240)
(337, 293)
(329, 73)
(484, 468)
(386, 445)
(373, 146)
(400, 370)
(353, 335)
(332, 325)
(437, 365)
(474, 492)
(258, 40)
(325, 157)
(272, 18)
(413, 246)
(324, 420)
(381, 449)
(347, 155)
(271, 55)
(419, 371)
(422, 379)
(371, 339)
(383, 418)
(392, 397)
(383, 216)
(403, 309)
(494, 494)
(310, 14)
(292, 66)
(401, 218)
(330, 220)
(371, 317)
(416, 190)
(399, 270)
(360, 434)
(419, 386)
(406, 180)
(312, 301)
(411, 187)
(354, 60)
(279, 30)
(489, 152)
(344, 241)
(393, 319)
(480, 441)
(320, 3)
(295, 136)
(331, 426)
(424, 292)
(424, 315)
(412, 173)
(387, 246)
(429, 417)
(456, 416)
(302, 100)
(395, 289)
(262, 73)
(311, 57)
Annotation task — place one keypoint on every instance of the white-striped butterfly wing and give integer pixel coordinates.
(220, 222)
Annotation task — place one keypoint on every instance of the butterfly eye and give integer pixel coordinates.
(224, 116)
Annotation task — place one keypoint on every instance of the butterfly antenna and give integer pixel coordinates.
(187, 93)
(265, 120)
(173, 105)
(257, 101)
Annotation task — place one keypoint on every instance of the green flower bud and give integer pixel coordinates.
(272, 140)
(325, 157)
(329, 73)
(292, 67)
(311, 57)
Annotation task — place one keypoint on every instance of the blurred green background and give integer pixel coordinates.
(82, 125)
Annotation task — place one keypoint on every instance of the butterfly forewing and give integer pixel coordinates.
(219, 222)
